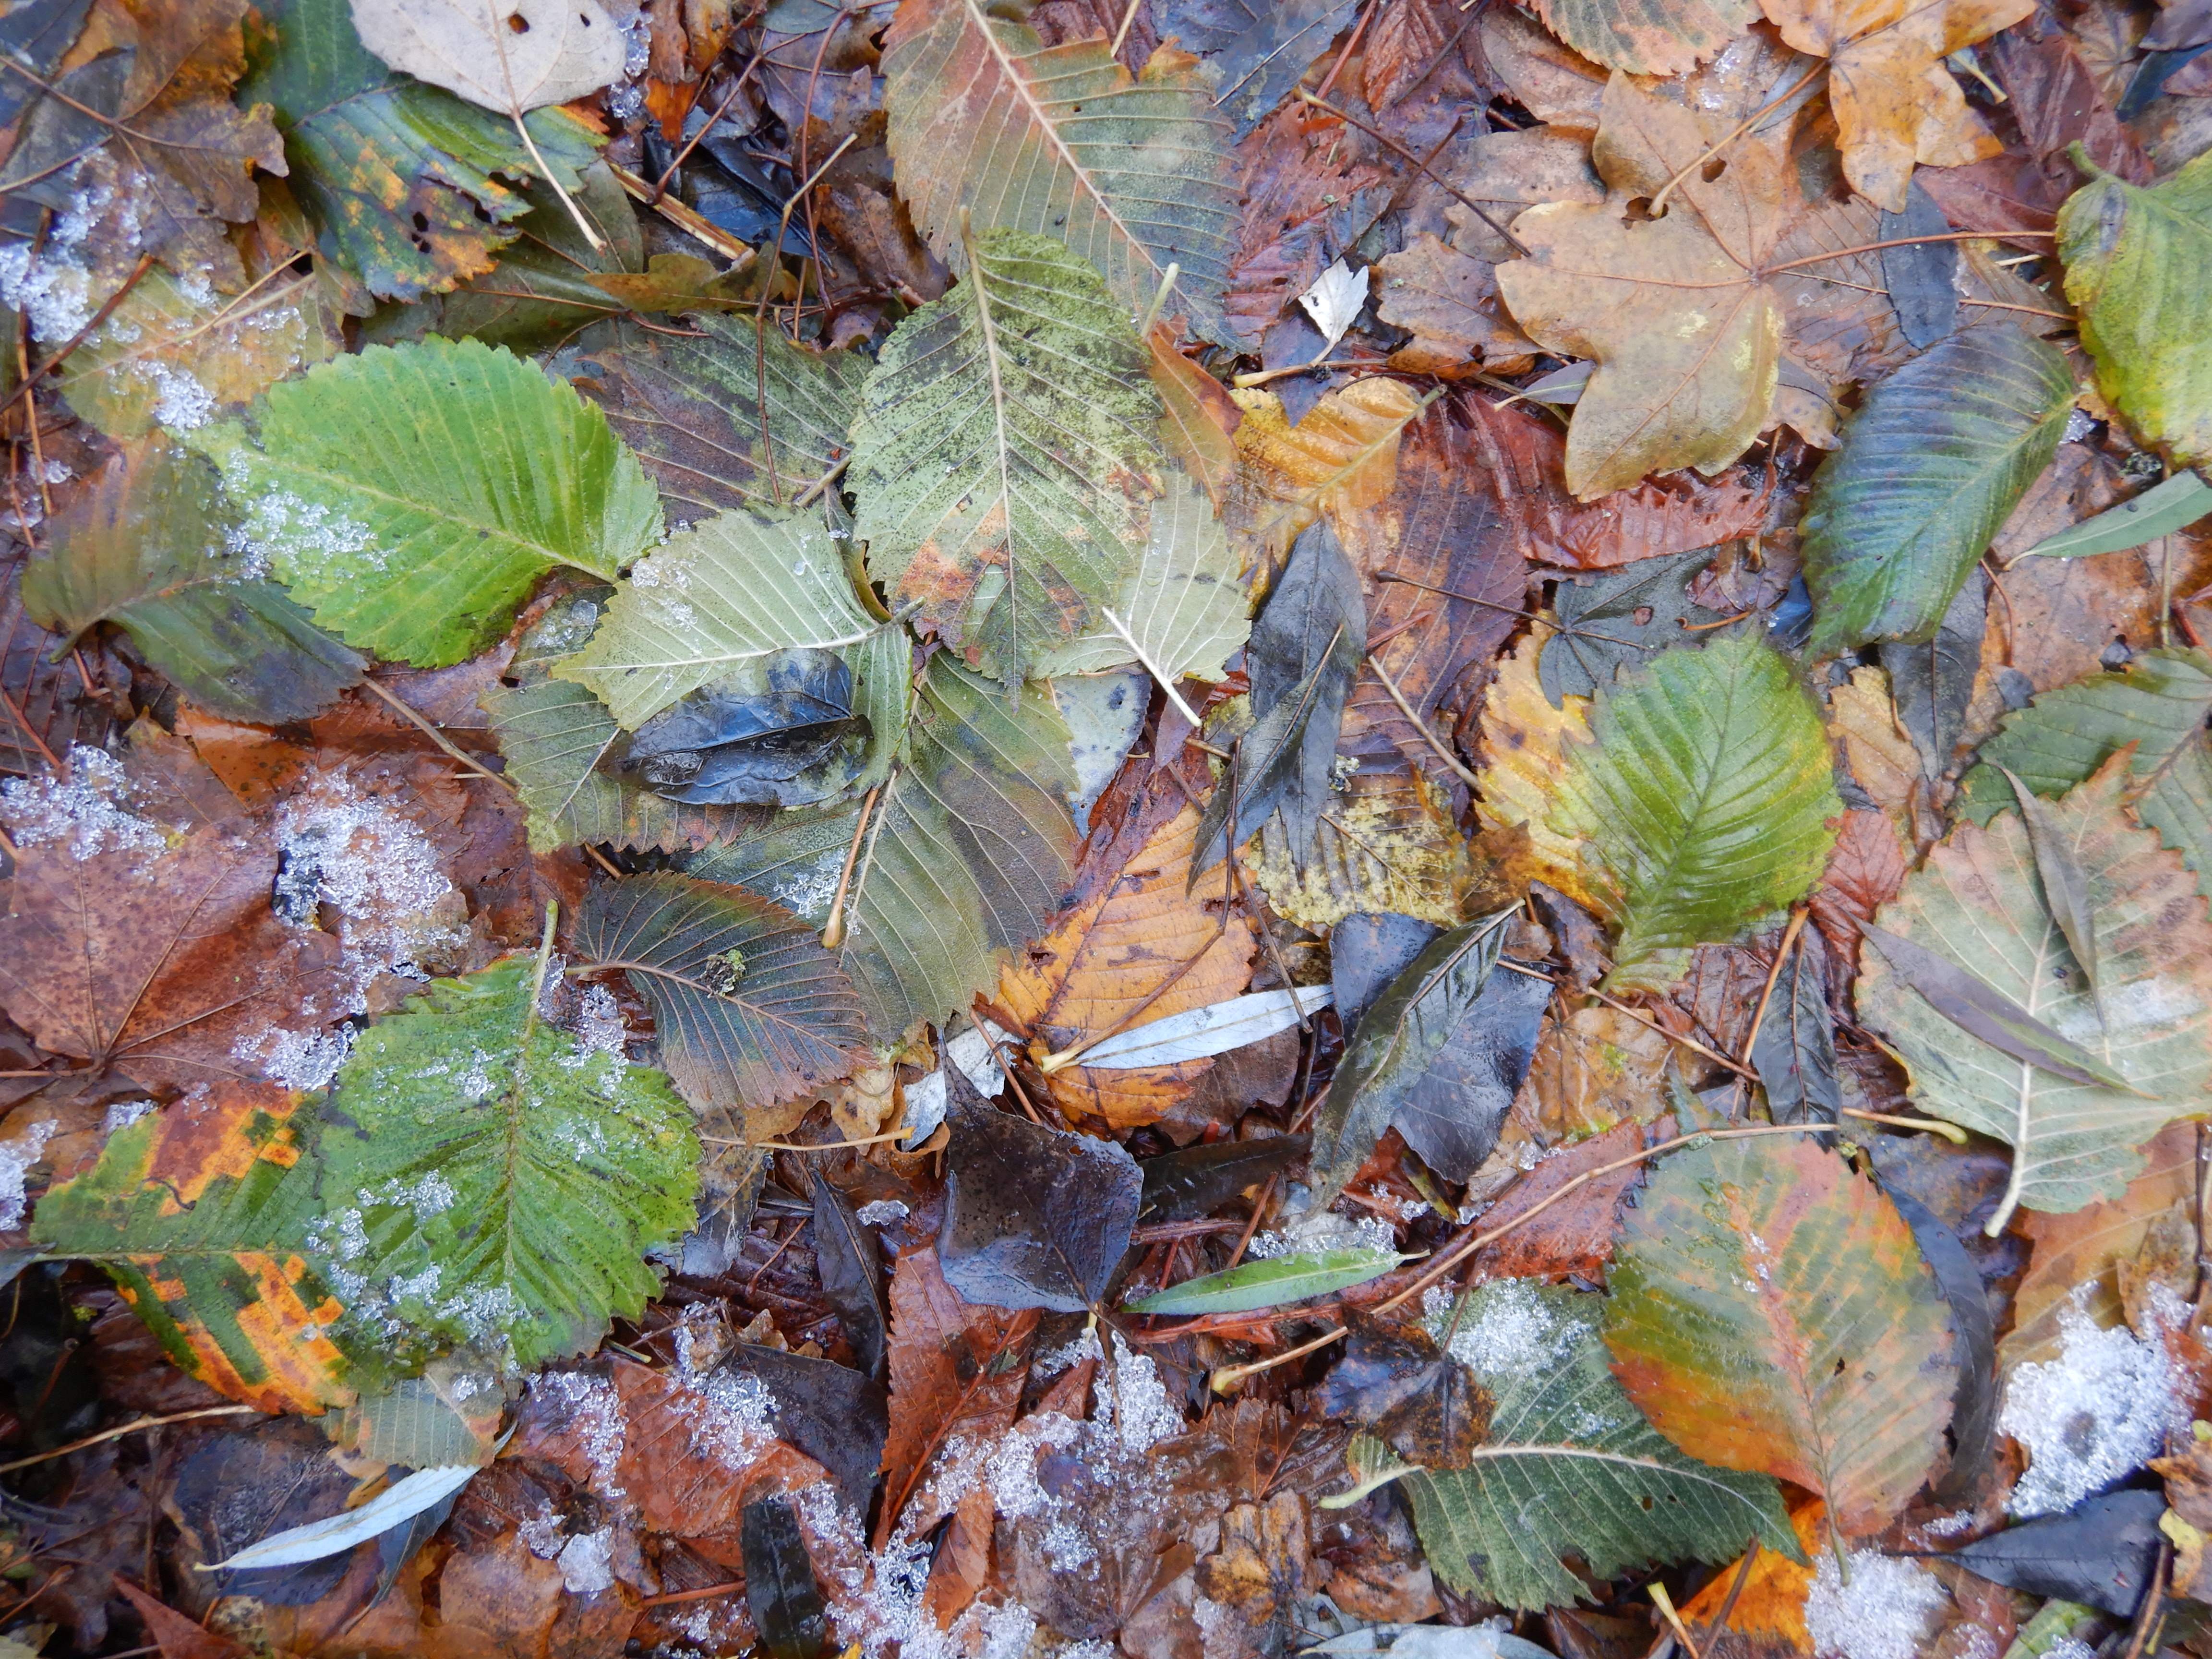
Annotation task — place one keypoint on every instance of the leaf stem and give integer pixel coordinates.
(1152, 668)
(1901, 242)
(1458, 769)
(1798, 915)
(120, 1430)
(598, 244)
(832, 930)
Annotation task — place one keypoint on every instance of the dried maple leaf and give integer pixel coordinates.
(1685, 331)
(166, 965)
(1895, 101)
(1143, 949)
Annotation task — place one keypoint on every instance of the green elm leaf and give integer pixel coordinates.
(489, 1179)
(1930, 468)
(751, 1009)
(1005, 456)
(1570, 1467)
(2135, 261)
(1704, 799)
(143, 548)
(1272, 1283)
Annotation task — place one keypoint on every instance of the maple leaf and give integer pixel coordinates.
(163, 963)
(1685, 329)
(1895, 101)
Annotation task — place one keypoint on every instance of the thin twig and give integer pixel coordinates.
(120, 1430)
(1901, 242)
(1129, 16)
(683, 218)
(794, 1146)
(670, 1598)
(1458, 769)
(400, 705)
(1261, 376)
(832, 930)
(106, 310)
(1774, 977)
(1950, 1131)
(1384, 139)
(1689, 1042)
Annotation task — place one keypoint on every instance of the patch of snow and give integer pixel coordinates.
(85, 810)
(305, 1060)
(124, 1112)
(17, 1157)
(541, 1532)
(59, 472)
(180, 402)
(1136, 1403)
(2090, 1417)
(587, 1562)
(1884, 1612)
(595, 1417)
(1509, 1332)
(882, 1212)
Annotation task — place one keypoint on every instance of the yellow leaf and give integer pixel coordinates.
(1387, 843)
(1344, 455)
(1524, 743)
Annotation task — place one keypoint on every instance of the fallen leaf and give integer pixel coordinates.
(1664, 40)
(1794, 1049)
(1894, 100)
(1342, 456)
(1336, 299)
(1259, 51)
(780, 1586)
(1680, 381)
(1865, 872)
(1768, 1599)
(1769, 1310)
(1274, 1282)
(1306, 193)
(1388, 841)
(1573, 1238)
(1448, 301)
(1131, 174)
(1617, 620)
(531, 53)
(1526, 740)
(2072, 1142)
(1395, 1382)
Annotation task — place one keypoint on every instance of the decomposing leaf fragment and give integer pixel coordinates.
(513, 55)
(1769, 1310)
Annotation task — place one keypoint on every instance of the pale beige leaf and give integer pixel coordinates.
(512, 56)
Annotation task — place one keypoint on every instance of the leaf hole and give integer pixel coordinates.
(1713, 169)
(1639, 212)
(517, 24)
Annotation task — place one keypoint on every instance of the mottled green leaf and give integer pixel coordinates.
(2136, 260)
(1705, 799)
(1976, 902)
(542, 292)
(749, 1009)
(1930, 468)
(1005, 456)
(1272, 1283)
(397, 177)
(1769, 1311)
(1133, 176)
(412, 495)
(1571, 1468)
(489, 1179)
(143, 547)
(707, 415)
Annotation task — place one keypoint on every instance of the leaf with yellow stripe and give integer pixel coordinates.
(198, 1211)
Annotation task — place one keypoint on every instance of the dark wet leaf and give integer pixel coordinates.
(1197, 1181)
(1262, 48)
(851, 1273)
(1974, 1401)
(1794, 1052)
(750, 1009)
(1932, 682)
(1919, 276)
(1438, 1054)
(35, 36)
(1395, 1382)
(784, 733)
(1618, 619)
(2099, 1553)
(542, 291)
(236, 1489)
(1983, 1012)
(837, 1415)
(143, 548)
(1034, 1218)
(1367, 952)
(780, 1589)
(1929, 468)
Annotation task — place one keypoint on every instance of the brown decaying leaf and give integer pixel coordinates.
(1863, 723)
(1140, 950)
(1527, 458)
(1302, 178)
(1864, 872)
(1449, 300)
(178, 1637)
(1575, 1236)
(956, 1369)
(2076, 1255)
(1684, 331)
(1524, 742)
(162, 964)
(1895, 102)
(1200, 418)
(1343, 456)
(1591, 1070)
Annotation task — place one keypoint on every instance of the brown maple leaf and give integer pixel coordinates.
(1895, 101)
(168, 966)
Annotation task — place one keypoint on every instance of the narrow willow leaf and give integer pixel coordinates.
(1974, 904)
(717, 600)
(1005, 456)
(1929, 470)
(491, 1181)
(410, 496)
(1214, 1029)
(1181, 612)
(142, 547)
(1705, 799)
(1133, 176)
(1769, 1311)
(394, 1506)
(2163, 509)
(553, 736)
(2135, 266)
(967, 851)
(2159, 704)
(1571, 1467)
(1271, 1284)
(751, 1009)
(2065, 889)
(713, 417)
(1397, 1043)
(220, 1282)
(1983, 1013)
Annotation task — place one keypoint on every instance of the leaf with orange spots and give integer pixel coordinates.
(199, 1211)
(1140, 950)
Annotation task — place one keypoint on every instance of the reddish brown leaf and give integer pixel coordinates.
(956, 1369)
(1406, 43)
(1575, 1236)
(178, 1637)
(1304, 189)
(1864, 872)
